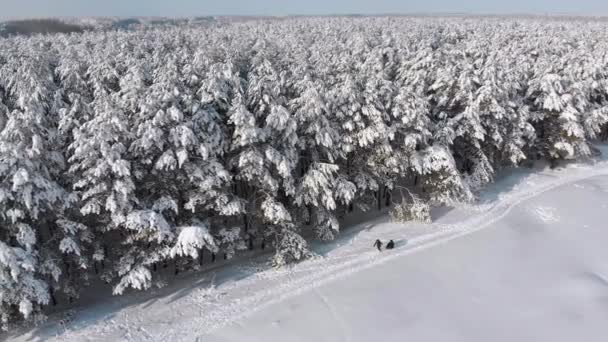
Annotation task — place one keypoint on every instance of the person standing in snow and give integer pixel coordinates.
(378, 244)
(390, 245)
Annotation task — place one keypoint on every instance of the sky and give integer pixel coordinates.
(10, 9)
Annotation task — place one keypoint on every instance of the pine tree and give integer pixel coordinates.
(30, 197)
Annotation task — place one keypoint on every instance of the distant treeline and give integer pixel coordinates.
(35, 26)
(51, 26)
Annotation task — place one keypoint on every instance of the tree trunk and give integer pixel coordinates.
(309, 218)
(105, 255)
(52, 293)
(66, 265)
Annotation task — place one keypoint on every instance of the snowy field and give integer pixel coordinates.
(539, 273)
(527, 263)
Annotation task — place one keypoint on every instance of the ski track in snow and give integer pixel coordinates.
(208, 309)
(546, 214)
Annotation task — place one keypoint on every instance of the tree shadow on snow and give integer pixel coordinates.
(401, 243)
(438, 212)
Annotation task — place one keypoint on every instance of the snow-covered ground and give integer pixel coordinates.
(528, 263)
(526, 278)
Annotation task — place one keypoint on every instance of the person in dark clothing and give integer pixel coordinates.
(390, 245)
(378, 244)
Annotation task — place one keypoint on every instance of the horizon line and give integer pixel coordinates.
(404, 14)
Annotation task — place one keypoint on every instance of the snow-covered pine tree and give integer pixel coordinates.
(30, 196)
(441, 181)
(320, 186)
(100, 176)
(264, 146)
(411, 114)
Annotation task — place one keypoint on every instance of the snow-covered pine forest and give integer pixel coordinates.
(121, 151)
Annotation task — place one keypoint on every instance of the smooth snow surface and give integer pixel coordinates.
(535, 269)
